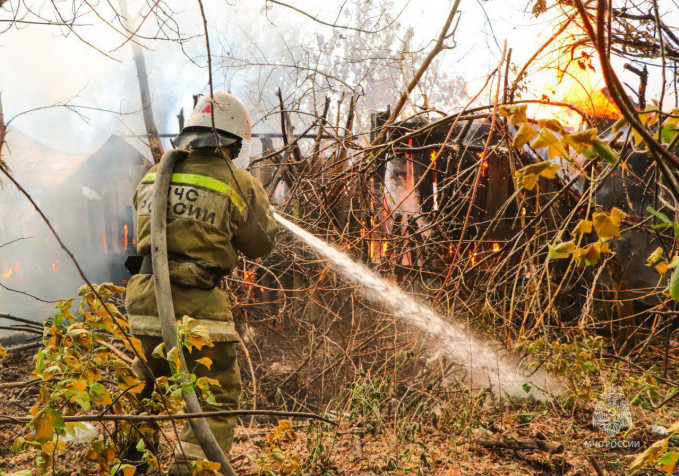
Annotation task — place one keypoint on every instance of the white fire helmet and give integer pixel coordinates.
(230, 116)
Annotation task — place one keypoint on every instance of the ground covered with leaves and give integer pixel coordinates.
(462, 432)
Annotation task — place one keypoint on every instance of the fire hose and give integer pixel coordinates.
(161, 280)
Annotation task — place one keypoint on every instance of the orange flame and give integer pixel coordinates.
(574, 80)
(103, 239)
(8, 273)
(248, 277)
(56, 266)
(496, 247)
(484, 163)
(126, 232)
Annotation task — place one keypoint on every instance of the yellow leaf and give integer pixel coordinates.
(207, 362)
(650, 454)
(159, 351)
(674, 427)
(44, 423)
(655, 257)
(662, 267)
(130, 384)
(49, 372)
(43, 428)
(650, 115)
(617, 216)
(3, 352)
(524, 135)
(608, 226)
(205, 468)
(80, 336)
(585, 226)
(638, 139)
(673, 120)
(619, 124)
(562, 250)
(591, 254)
(555, 146)
(203, 382)
(545, 139)
(173, 358)
(77, 385)
(136, 346)
(582, 142)
(552, 124)
(527, 177)
(515, 114)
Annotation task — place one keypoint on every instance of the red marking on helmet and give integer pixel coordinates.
(207, 109)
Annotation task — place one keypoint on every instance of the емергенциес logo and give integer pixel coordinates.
(613, 415)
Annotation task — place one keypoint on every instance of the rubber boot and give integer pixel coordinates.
(180, 467)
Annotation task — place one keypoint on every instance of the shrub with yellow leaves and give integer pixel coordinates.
(552, 136)
(80, 372)
(605, 225)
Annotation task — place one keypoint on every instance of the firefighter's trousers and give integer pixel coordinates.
(224, 369)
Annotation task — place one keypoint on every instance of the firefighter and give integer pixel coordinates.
(215, 211)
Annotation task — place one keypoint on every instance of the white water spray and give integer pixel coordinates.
(486, 366)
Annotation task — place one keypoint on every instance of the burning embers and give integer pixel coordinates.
(56, 266)
(11, 271)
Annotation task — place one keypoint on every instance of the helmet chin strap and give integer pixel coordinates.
(235, 149)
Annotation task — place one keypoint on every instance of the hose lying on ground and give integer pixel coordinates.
(161, 280)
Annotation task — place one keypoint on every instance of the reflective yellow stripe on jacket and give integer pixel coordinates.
(203, 181)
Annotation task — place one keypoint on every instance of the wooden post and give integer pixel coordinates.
(142, 77)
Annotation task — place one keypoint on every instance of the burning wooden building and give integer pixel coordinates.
(88, 199)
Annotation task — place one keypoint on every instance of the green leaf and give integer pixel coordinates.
(159, 351)
(589, 366)
(674, 285)
(666, 222)
(40, 362)
(668, 134)
(668, 461)
(605, 151)
(659, 215)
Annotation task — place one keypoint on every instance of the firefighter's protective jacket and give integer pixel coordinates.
(215, 210)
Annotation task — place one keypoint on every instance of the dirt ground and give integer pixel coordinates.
(463, 436)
